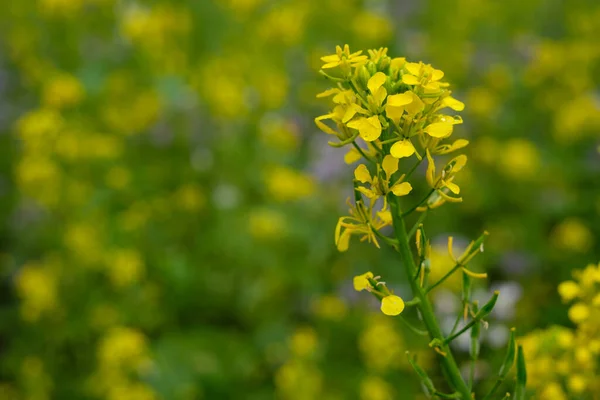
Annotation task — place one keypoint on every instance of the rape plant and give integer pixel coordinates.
(387, 110)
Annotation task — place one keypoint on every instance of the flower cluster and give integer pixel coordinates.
(389, 109)
(563, 362)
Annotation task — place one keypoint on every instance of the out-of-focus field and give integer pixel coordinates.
(167, 205)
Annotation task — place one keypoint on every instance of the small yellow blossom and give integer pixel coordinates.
(568, 290)
(579, 313)
(361, 282)
(392, 305)
(381, 186)
(342, 57)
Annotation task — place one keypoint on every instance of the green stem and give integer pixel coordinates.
(429, 319)
(463, 330)
(362, 153)
(418, 204)
(413, 230)
(494, 388)
(412, 327)
(414, 167)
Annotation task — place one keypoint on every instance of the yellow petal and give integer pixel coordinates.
(401, 189)
(390, 165)
(331, 58)
(437, 74)
(399, 100)
(331, 65)
(361, 282)
(453, 187)
(394, 113)
(380, 96)
(454, 104)
(328, 92)
(477, 275)
(376, 81)
(403, 148)
(415, 106)
(323, 126)
(356, 124)
(392, 305)
(459, 163)
(410, 79)
(439, 129)
(349, 114)
(459, 144)
(352, 156)
(430, 174)
(397, 62)
(368, 192)
(361, 174)
(371, 129)
(413, 68)
(343, 241)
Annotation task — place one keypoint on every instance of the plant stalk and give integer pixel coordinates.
(449, 365)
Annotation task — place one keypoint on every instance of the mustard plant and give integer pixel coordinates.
(386, 110)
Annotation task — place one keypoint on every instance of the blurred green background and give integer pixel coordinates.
(167, 205)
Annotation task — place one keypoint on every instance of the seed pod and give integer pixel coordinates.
(509, 360)
(521, 375)
(488, 307)
(422, 374)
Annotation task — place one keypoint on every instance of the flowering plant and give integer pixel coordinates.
(389, 110)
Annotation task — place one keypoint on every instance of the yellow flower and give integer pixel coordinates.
(361, 282)
(442, 127)
(286, 184)
(454, 104)
(343, 57)
(568, 290)
(449, 148)
(447, 176)
(62, 91)
(396, 105)
(577, 384)
(579, 312)
(37, 287)
(419, 74)
(392, 305)
(380, 187)
(402, 148)
(375, 388)
(361, 222)
(303, 342)
(368, 128)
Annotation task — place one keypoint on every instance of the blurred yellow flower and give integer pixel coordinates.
(329, 307)
(568, 290)
(375, 388)
(520, 159)
(579, 313)
(37, 286)
(286, 184)
(303, 342)
(62, 90)
(266, 224)
(572, 234)
(124, 267)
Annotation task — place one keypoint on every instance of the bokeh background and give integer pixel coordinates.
(167, 205)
